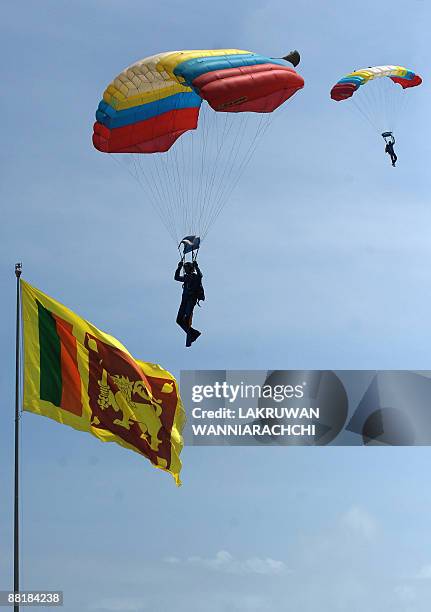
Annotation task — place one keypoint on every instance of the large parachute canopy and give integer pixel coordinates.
(203, 99)
(374, 94)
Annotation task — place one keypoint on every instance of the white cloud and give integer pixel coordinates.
(359, 520)
(171, 560)
(425, 572)
(406, 593)
(225, 562)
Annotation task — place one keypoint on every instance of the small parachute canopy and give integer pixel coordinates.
(346, 87)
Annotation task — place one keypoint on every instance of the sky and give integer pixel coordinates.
(320, 261)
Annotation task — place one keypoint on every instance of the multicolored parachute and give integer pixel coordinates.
(380, 102)
(346, 86)
(158, 99)
(154, 101)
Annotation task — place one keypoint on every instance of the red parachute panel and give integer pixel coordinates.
(153, 135)
(414, 82)
(342, 91)
(261, 88)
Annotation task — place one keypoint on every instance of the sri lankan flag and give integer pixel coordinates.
(78, 375)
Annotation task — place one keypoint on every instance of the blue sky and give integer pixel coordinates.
(321, 260)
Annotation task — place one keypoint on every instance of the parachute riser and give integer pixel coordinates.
(194, 255)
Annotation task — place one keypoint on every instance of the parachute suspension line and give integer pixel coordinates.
(225, 196)
(168, 187)
(176, 168)
(187, 175)
(158, 188)
(363, 113)
(204, 141)
(228, 167)
(229, 186)
(171, 165)
(266, 120)
(371, 94)
(212, 193)
(216, 149)
(192, 163)
(182, 161)
(161, 185)
(213, 162)
(398, 103)
(368, 103)
(386, 121)
(153, 198)
(182, 175)
(155, 189)
(388, 105)
(362, 100)
(228, 137)
(205, 153)
(223, 138)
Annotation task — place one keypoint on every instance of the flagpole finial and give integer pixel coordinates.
(18, 269)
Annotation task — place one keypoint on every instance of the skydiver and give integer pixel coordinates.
(389, 149)
(192, 293)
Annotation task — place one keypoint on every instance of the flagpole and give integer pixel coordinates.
(18, 270)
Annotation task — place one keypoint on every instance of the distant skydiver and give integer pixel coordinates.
(389, 149)
(192, 292)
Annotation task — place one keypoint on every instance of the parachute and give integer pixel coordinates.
(374, 94)
(189, 122)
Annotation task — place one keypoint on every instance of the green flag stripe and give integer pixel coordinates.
(50, 357)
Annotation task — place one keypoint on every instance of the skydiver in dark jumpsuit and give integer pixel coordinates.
(192, 282)
(389, 149)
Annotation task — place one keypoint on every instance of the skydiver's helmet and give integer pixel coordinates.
(188, 267)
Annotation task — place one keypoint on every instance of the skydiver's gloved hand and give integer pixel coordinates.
(180, 264)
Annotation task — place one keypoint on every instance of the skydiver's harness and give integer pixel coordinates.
(198, 293)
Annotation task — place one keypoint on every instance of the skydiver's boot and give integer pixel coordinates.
(192, 335)
(195, 334)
